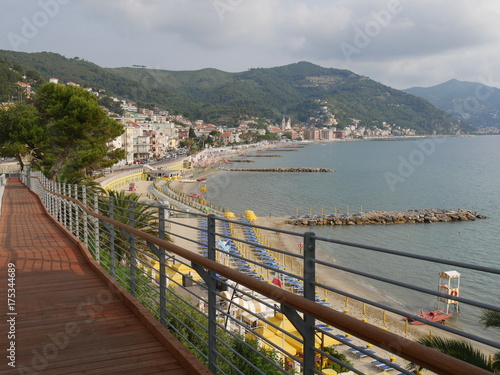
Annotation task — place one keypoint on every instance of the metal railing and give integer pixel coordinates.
(243, 303)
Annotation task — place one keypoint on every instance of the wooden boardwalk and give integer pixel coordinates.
(70, 318)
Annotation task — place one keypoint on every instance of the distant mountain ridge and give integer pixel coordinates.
(301, 91)
(476, 103)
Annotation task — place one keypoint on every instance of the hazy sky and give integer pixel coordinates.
(400, 43)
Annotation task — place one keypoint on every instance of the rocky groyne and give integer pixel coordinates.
(281, 170)
(242, 161)
(432, 215)
(264, 156)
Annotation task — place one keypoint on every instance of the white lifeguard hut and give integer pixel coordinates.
(449, 283)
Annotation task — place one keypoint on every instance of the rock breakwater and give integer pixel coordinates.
(263, 156)
(432, 215)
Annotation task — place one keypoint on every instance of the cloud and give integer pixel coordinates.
(393, 40)
(312, 29)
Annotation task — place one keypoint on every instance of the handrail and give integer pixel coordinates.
(410, 350)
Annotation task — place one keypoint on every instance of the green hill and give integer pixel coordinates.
(473, 102)
(299, 90)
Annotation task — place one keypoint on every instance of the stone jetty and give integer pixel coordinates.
(264, 156)
(281, 170)
(431, 215)
(242, 161)
(283, 149)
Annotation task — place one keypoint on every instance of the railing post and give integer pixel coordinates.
(85, 218)
(53, 199)
(97, 243)
(162, 216)
(28, 179)
(112, 238)
(77, 214)
(64, 209)
(59, 207)
(131, 242)
(309, 293)
(212, 297)
(69, 207)
(49, 200)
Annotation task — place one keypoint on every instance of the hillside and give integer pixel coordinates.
(475, 103)
(294, 90)
(300, 91)
(91, 75)
(8, 78)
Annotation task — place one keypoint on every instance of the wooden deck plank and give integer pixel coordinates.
(68, 319)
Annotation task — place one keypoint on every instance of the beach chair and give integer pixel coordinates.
(382, 366)
(342, 338)
(364, 354)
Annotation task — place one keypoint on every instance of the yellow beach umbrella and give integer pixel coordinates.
(329, 371)
(229, 214)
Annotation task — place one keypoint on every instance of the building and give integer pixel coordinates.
(313, 134)
(26, 88)
(226, 137)
(286, 124)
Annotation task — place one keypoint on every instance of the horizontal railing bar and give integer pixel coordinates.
(406, 314)
(409, 286)
(426, 258)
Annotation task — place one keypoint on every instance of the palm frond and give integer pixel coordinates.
(460, 349)
(495, 364)
(490, 318)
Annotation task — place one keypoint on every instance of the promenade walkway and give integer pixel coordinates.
(67, 317)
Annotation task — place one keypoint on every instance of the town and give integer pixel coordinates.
(155, 134)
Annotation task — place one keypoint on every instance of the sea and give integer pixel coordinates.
(377, 175)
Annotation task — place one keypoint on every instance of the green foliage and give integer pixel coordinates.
(110, 104)
(341, 357)
(21, 132)
(192, 134)
(8, 78)
(458, 349)
(490, 318)
(123, 203)
(77, 130)
(249, 356)
(65, 132)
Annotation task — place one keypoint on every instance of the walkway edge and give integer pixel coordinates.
(187, 359)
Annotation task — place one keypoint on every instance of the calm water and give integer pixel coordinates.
(389, 175)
